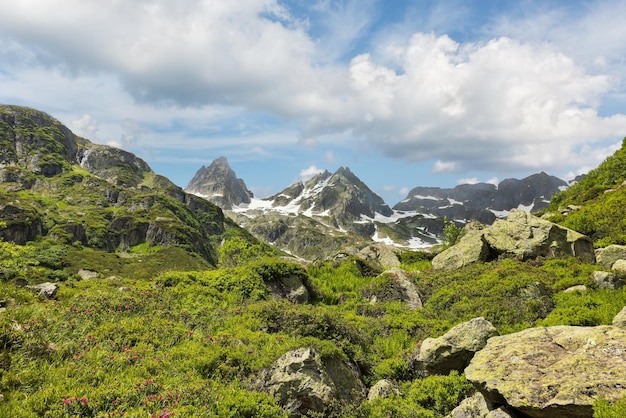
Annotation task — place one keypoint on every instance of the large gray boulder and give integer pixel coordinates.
(521, 236)
(454, 349)
(552, 372)
(303, 380)
(607, 256)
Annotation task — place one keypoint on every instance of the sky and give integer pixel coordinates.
(404, 93)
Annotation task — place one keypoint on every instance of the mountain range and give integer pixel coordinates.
(338, 208)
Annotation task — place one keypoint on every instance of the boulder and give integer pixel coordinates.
(382, 389)
(521, 236)
(608, 280)
(608, 255)
(45, 290)
(289, 287)
(552, 372)
(620, 319)
(619, 266)
(399, 288)
(476, 407)
(303, 380)
(578, 288)
(454, 349)
(384, 254)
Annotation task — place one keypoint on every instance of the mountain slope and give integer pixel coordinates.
(596, 205)
(219, 184)
(64, 189)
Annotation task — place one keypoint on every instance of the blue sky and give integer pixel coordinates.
(405, 93)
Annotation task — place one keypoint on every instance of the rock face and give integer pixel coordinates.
(521, 236)
(552, 372)
(302, 380)
(219, 184)
(454, 349)
(608, 280)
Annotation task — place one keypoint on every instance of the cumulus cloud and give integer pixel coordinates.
(504, 102)
(85, 126)
(309, 172)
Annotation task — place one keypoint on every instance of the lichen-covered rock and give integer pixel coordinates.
(399, 287)
(521, 236)
(619, 266)
(382, 389)
(608, 280)
(290, 287)
(552, 372)
(303, 380)
(454, 349)
(620, 319)
(473, 407)
(471, 248)
(45, 290)
(608, 255)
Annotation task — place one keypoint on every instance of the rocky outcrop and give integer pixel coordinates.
(21, 222)
(290, 287)
(521, 236)
(219, 184)
(303, 380)
(114, 165)
(45, 290)
(454, 349)
(477, 407)
(382, 389)
(607, 256)
(399, 287)
(552, 372)
(608, 280)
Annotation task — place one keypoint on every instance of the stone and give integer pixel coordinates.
(521, 236)
(473, 407)
(619, 266)
(87, 274)
(290, 287)
(552, 372)
(608, 280)
(471, 248)
(454, 349)
(45, 290)
(303, 380)
(382, 389)
(399, 288)
(578, 288)
(608, 255)
(620, 319)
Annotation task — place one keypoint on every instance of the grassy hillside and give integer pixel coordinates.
(596, 205)
(166, 308)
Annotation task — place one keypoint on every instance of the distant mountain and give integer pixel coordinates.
(482, 201)
(219, 184)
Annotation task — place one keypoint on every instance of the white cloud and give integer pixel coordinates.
(329, 157)
(444, 167)
(508, 102)
(469, 180)
(309, 172)
(85, 126)
(404, 191)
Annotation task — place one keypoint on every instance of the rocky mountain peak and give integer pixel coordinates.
(219, 184)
